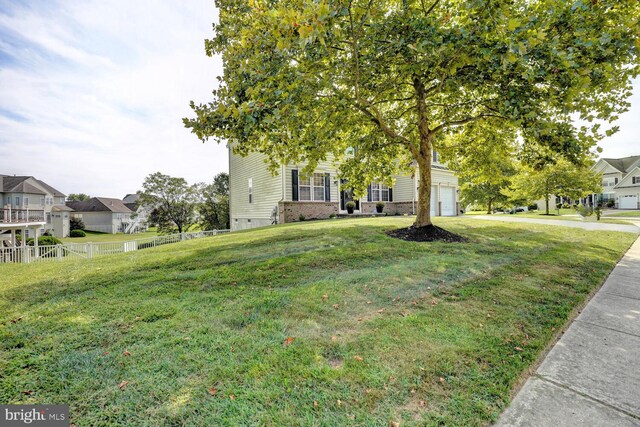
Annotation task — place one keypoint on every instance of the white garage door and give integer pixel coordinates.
(629, 202)
(448, 199)
(434, 193)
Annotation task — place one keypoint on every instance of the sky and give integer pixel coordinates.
(92, 93)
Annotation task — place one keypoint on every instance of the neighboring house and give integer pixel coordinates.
(102, 214)
(620, 182)
(32, 206)
(138, 222)
(257, 198)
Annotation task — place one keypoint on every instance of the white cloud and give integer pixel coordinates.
(96, 93)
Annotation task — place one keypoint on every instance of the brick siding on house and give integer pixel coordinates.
(291, 211)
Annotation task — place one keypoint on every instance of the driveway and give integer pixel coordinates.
(592, 226)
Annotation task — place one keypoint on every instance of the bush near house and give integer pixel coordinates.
(77, 233)
(76, 224)
(44, 241)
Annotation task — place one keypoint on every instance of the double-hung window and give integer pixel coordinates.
(311, 188)
(380, 192)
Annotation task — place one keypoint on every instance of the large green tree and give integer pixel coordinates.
(214, 205)
(483, 157)
(560, 178)
(307, 79)
(174, 201)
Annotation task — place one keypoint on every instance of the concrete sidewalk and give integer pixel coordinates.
(591, 377)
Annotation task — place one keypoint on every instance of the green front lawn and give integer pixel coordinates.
(320, 323)
(633, 214)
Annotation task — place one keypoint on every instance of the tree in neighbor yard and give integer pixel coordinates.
(214, 207)
(388, 80)
(560, 179)
(174, 201)
(81, 197)
(484, 160)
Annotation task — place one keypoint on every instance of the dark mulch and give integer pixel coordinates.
(430, 233)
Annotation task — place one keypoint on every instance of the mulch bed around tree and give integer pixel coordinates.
(430, 233)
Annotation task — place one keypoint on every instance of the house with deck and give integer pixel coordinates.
(30, 207)
(259, 198)
(102, 214)
(620, 182)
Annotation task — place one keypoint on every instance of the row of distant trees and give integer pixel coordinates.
(495, 170)
(177, 205)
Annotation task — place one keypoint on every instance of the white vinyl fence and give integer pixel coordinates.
(91, 250)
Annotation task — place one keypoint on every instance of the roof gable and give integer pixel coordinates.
(26, 184)
(627, 181)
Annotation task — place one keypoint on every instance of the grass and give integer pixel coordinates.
(633, 214)
(97, 237)
(572, 216)
(320, 323)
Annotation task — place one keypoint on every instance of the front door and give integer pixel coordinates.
(346, 195)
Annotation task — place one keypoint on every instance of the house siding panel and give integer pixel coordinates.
(267, 191)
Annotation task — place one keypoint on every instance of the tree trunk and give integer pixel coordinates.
(547, 203)
(489, 210)
(423, 157)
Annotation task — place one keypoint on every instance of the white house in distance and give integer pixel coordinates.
(31, 206)
(257, 198)
(102, 214)
(620, 182)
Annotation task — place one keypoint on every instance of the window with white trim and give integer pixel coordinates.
(635, 179)
(379, 192)
(311, 188)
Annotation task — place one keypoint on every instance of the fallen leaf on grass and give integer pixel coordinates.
(123, 384)
(358, 358)
(325, 296)
(232, 396)
(212, 391)
(27, 392)
(381, 310)
(126, 353)
(518, 348)
(336, 306)
(17, 319)
(422, 403)
(394, 424)
(334, 338)
(288, 341)
(339, 402)
(441, 380)
(434, 302)
(315, 403)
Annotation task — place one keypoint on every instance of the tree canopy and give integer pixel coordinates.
(81, 197)
(214, 206)
(388, 81)
(173, 200)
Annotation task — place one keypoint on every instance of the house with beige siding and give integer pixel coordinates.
(30, 206)
(259, 198)
(102, 214)
(620, 182)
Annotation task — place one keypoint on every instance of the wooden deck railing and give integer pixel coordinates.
(9, 216)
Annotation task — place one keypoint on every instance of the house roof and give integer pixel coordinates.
(61, 208)
(26, 184)
(130, 198)
(99, 204)
(623, 164)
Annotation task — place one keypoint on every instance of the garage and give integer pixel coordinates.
(434, 193)
(628, 202)
(448, 199)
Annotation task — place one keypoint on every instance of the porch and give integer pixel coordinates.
(23, 220)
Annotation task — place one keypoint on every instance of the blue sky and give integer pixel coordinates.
(92, 93)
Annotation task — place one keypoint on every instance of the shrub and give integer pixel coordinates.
(533, 207)
(77, 233)
(611, 203)
(380, 205)
(584, 210)
(351, 205)
(332, 215)
(76, 224)
(301, 217)
(45, 241)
